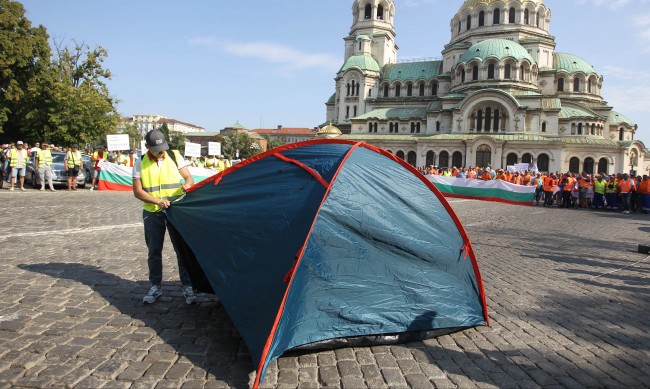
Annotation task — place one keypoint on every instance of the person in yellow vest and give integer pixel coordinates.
(18, 164)
(157, 182)
(221, 165)
(44, 164)
(73, 163)
(600, 185)
(123, 160)
(228, 162)
(611, 193)
(210, 162)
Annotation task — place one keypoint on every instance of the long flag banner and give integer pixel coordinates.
(118, 177)
(493, 190)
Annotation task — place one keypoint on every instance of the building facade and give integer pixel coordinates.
(287, 134)
(499, 94)
(150, 122)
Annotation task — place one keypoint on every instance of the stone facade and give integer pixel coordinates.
(499, 94)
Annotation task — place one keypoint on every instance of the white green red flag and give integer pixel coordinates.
(492, 190)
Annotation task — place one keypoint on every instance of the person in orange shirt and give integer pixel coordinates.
(644, 193)
(549, 183)
(625, 188)
(471, 173)
(486, 175)
(583, 189)
(501, 175)
(525, 178)
(567, 182)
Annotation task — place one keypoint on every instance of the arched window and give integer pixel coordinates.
(543, 163)
(370, 127)
(434, 89)
(621, 134)
(390, 127)
(522, 73)
(431, 156)
(507, 72)
(496, 16)
(354, 87)
(368, 13)
(479, 120)
(462, 75)
(369, 92)
(511, 15)
(412, 128)
(386, 90)
(396, 125)
(589, 86)
(603, 166)
(475, 73)
(409, 90)
(560, 85)
(380, 12)
(574, 165)
(481, 19)
(526, 17)
(437, 126)
(459, 26)
(400, 154)
(491, 71)
(412, 158)
(355, 110)
(347, 111)
(497, 119)
(593, 129)
(512, 159)
(356, 93)
(457, 159)
(544, 127)
(422, 89)
(527, 158)
(348, 86)
(468, 22)
(483, 156)
(418, 127)
(398, 90)
(488, 119)
(588, 166)
(537, 19)
(579, 128)
(444, 159)
(576, 84)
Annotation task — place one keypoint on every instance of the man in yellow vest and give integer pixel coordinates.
(44, 164)
(157, 182)
(74, 165)
(18, 164)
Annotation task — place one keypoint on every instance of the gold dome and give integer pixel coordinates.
(329, 131)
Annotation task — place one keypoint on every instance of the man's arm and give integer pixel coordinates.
(189, 180)
(141, 195)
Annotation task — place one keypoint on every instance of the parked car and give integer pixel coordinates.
(88, 167)
(59, 176)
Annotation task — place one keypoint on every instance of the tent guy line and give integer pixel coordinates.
(623, 268)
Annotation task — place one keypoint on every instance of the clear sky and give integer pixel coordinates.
(267, 63)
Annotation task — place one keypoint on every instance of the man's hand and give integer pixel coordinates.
(164, 204)
(185, 187)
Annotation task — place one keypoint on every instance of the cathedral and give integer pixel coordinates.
(498, 95)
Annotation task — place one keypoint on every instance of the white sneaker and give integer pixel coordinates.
(190, 296)
(92, 188)
(152, 295)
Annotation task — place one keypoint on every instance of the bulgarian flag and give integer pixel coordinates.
(493, 190)
(120, 178)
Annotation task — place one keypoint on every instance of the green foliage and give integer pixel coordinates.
(135, 136)
(24, 57)
(272, 143)
(241, 141)
(165, 130)
(62, 99)
(176, 140)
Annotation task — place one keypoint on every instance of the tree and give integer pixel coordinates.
(272, 143)
(165, 130)
(242, 142)
(135, 136)
(80, 106)
(177, 141)
(24, 60)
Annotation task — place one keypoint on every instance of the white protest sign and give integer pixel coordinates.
(192, 149)
(143, 147)
(214, 148)
(521, 167)
(118, 142)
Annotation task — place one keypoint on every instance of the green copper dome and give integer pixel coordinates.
(571, 64)
(361, 62)
(617, 119)
(496, 48)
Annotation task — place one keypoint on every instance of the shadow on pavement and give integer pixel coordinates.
(201, 333)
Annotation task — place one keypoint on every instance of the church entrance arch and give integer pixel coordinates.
(483, 156)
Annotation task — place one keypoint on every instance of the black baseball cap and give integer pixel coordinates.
(156, 141)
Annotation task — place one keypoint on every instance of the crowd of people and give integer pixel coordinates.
(615, 192)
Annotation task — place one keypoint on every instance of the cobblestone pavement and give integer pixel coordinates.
(568, 296)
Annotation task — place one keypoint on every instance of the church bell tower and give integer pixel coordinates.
(373, 19)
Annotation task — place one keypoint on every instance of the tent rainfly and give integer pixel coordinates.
(329, 243)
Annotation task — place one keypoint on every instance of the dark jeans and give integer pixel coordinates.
(566, 199)
(155, 226)
(548, 199)
(612, 200)
(599, 200)
(625, 197)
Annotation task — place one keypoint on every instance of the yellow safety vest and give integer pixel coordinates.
(14, 158)
(44, 157)
(162, 182)
(599, 186)
(220, 166)
(74, 159)
(614, 189)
